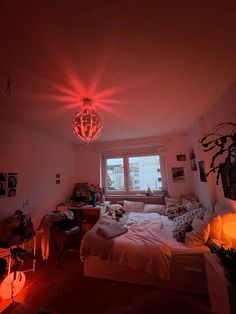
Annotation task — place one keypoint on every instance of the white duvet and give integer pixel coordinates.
(144, 246)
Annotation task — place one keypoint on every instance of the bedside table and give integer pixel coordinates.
(221, 292)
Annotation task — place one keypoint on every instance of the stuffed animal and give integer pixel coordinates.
(116, 211)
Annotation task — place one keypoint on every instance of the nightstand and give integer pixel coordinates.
(222, 293)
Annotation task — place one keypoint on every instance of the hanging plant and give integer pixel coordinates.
(225, 144)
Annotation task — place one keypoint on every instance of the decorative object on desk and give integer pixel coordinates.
(94, 190)
(227, 258)
(87, 124)
(222, 139)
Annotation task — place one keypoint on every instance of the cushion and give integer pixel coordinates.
(190, 197)
(190, 205)
(215, 222)
(130, 206)
(188, 217)
(180, 230)
(176, 201)
(154, 208)
(199, 235)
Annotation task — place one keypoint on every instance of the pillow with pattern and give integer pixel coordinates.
(180, 230)
(188, 217)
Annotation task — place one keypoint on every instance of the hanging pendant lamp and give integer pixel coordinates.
(87, 124)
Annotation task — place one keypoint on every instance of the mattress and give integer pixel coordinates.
(147, 246)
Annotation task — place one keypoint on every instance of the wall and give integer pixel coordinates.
(89, 157)
(222, 110)
(36, 158)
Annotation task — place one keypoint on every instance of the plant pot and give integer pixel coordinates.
(230, 274)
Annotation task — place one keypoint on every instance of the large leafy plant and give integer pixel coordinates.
(223, 144)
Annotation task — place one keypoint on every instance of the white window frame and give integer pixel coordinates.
(125, 155)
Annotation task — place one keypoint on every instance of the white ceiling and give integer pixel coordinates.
(151, 67)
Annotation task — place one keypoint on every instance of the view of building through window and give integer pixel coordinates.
(143, 172)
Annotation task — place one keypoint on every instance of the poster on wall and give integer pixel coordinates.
(3, 184)
(12, 183)
(202, 171)
(178, 174)
(192, 158)
(228, 179)
(193, 165)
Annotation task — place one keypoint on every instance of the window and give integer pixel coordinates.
(132, 173)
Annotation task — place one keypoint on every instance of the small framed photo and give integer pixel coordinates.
(3, 184)
(178, 174)
(58, 175)
(58, 181)
(202, 171)
(181, 157)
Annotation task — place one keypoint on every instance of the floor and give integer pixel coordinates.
(64, 289)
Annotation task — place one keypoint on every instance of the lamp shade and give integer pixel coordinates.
(87, 124)
(229, 229)
(12, 285)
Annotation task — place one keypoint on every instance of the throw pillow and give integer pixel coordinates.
(199, 235)
(130, 206)
(188, 217)
(215, 222)
(154, 208)
(180, 231)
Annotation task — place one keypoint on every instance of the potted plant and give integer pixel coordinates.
(227, 258)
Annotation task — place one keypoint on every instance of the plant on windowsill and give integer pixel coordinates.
(227, 258)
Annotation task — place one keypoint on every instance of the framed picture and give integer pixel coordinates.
(202, 171)
(12, 183)
(228, 179)
(3, 184)
(178, 174)
(191, 153)
(193, 165)
(181, 157)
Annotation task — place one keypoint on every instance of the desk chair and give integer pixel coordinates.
(65, 235)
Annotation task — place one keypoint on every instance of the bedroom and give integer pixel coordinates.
(155, 88)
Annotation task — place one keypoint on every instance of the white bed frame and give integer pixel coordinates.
(187, 273)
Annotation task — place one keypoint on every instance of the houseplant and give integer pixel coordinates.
(222, 140)
(227, 258)
(94, 190)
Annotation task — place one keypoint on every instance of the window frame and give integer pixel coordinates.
(125, 156)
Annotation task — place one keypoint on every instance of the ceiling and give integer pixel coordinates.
(151, 67)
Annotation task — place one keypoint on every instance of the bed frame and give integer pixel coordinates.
(187, 273)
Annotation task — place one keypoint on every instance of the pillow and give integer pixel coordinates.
(180, 230)
(130, 206)
(199, 235)
(154, 208)
(188, 217)
(215, 222)
(189, 197)
(176, 201)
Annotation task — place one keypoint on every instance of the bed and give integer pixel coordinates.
(146, 255)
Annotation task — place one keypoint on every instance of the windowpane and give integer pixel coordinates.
(115, 174)
(144, 173)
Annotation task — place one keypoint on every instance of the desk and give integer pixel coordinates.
(88, 215)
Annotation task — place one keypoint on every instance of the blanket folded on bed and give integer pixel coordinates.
(111, 230)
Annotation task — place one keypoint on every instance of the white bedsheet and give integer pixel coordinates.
(148, 245)
(144, 246)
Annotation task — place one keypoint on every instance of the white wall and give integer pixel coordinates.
(36, 158)
(89, 159)
(223, 110)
